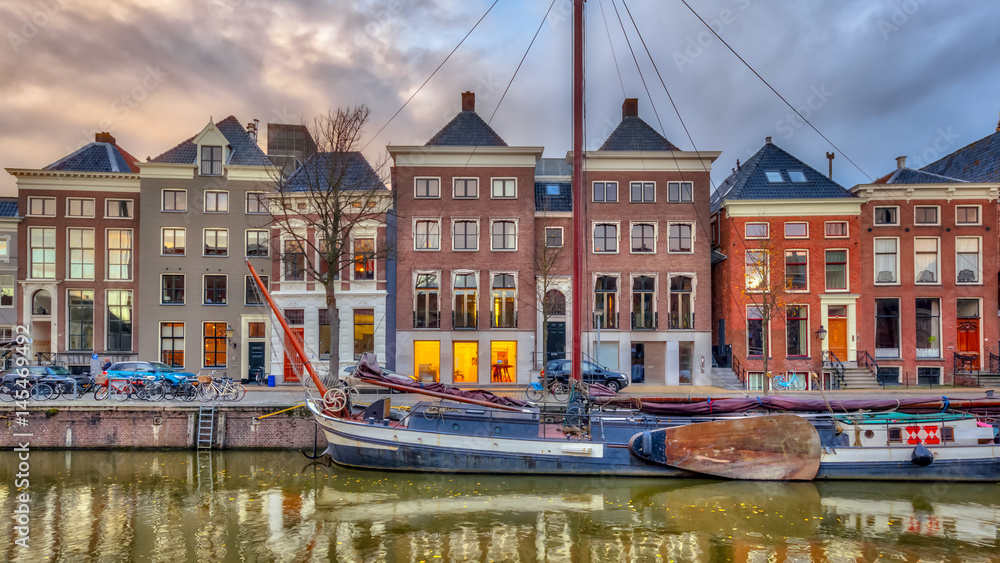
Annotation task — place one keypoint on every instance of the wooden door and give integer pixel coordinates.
(838, 338)
(968, 341)
(293, 364)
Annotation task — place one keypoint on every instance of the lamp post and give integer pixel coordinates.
(821, 334)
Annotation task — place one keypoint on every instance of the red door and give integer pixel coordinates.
(293, 364)
(968, 341)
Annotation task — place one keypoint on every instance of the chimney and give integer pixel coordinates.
(468, 101)
(252, 129)
(737, 164)
(998, 126)
(767, 140)
(900, 162)
(104, 137)
(829, 156)
(630, 108)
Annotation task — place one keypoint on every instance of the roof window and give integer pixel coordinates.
(774, 177)
(796, 176)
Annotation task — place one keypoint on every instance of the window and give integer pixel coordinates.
(644, 238)
(886, 260)
(119, 254)
(756, 230)
(925, 215)
(887, 328)
(888, 376)
(118, 208)
(466, 235)
(252, 293)
(796, 176)
(504, 296)
(605, 238)
(7, 284)
(928, 328)
(215, 290)
(796, 270)
(466, 188)
(553, 237)
(174, 200)
(216, 242)
(554, 303)
(504, 235)
(774, 177)
(504, 187)
(427, 234)
(681, 313)
(79, 207)
(427, 187)
(427, 312)
(364, 259)
(465, 301)
(295, 317)
(80, 243)
(81, 319)
(886, 215)
(41, 207)
(552, 189)
(173, 241)
(967, 265)
(256, 202)
(967, 215)
(172, 344)
(680, 192)
(216, 202)
(211, 161)
(716, 232)
(43, 252)
(257, 243)
(925, 260)
(172, 289)
(294, 260)
(325, 336)
(215, 345)
(606, 192)
(756, 270)
(642, 192)
(119, 320)
(836, 269)
(680, 237)
(755, 332)
(796, 330)
(928, 376)
(796, 230)
(364, 332)
(836, 229)
(606, 302)
(643, 302)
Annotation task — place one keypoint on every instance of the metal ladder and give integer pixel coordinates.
(206, 426)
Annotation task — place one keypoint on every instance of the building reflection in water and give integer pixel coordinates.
(263, 506)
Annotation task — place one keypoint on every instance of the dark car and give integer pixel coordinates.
(592, 373)
(58, 378)
(160, 370)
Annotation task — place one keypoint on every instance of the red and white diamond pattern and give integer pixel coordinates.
(923, 435)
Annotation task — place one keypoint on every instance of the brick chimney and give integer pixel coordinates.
(900, 162)
(468, 101)
(767, 140)
(104, 137)
(630, 108)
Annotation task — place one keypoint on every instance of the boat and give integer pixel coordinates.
(483, 433)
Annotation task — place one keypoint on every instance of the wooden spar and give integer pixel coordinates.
(296, 345)
(579, 244)
(781, 447)
(439, 395)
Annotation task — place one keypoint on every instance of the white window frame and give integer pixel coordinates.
(216, 192)
(160, 297)
(916, 374)
(875, 209)
(694, 237)
(680, 192)
(766, 327)
(13, 289)
(656, 236)
(618, 236)
(642, 191)
(979, 214)
(364, 234)
(82, 200)
(847, 271)
(204, 287)
(416, 181)
(808, 334)
(130, 204)
(847, 229)
(107, 254)
(808, 262)
(805, 236)
(418, 221)
(107, 317)
(176, 190)
(204, 238)
(162, 245)
(45, 202)
(767, 229)
(183, 340)
(875, 270)
(767, 271)
(454, 187)
(935, 224)
(246, 242)
(69, 254)
(937, 261)
(493, 181)
(606, 182)
(479, 233)
(31, 252)
(263, 201)
(979, 259)
(413, 293)
(517, 230)
(562, 237)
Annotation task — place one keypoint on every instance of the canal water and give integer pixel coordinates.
(277, 506)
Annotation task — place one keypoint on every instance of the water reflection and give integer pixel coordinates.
(264, 506)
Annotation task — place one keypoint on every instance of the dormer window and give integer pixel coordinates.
(796, 176)
(211, 161)
(774, 177)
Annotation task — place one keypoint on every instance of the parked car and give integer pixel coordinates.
(559, 370)
(58, 378)
(125, 370)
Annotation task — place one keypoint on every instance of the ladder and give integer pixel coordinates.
(206, 426)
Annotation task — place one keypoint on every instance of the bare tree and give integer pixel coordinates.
(764, 290)
(547, 271)
(320, 206)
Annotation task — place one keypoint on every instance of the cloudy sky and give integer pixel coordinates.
(879, 78)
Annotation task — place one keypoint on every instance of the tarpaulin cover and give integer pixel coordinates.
(800, 404)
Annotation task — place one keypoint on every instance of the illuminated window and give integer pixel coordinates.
(466, 362)
(172, 344)
(427, 360)
(364, 332)
(503, 361)
(215, 345)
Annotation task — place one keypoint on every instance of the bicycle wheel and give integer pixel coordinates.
(40, 391)
(76, 391)
(534, 393)
(57, 391)
(155, 392)
(261, 379)
(124, 392)
(102, 392)
(187, 392)
(798, 383)
(241, 391)
(560, 391)
(7, 392)
(207, 392)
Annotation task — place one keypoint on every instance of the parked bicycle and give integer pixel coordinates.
(257, 376)
(536, 392)
(223, 388)
(789, 382)
(145, 388)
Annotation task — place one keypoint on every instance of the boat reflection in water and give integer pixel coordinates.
(264, 506)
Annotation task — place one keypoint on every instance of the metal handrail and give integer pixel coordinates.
(830, 360)
(965, 363)
(866, 360)
(738, 369)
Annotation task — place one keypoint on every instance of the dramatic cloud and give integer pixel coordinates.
(879, 79)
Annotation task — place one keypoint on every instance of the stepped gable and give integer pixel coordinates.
(245, 151)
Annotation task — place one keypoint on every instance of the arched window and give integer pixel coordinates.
(555, 302)
(41, 303)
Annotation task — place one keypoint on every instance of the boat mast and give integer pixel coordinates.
(579, 241)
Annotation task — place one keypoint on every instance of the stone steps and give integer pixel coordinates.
(859, 378)
(725, 378)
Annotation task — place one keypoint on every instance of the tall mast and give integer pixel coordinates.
(579, 241)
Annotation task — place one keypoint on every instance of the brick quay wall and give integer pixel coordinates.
(61, 424)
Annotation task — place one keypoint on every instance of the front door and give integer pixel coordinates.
(638, 362)
(256, 356)
(555, 345)
(838, 338)
(968, 341)
(293, 364)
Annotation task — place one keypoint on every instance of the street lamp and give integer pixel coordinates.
(229, 334)
(821, 333)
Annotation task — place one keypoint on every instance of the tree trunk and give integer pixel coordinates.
(334, 317)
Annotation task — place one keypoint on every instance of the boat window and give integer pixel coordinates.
(947, 434)
(895, 436)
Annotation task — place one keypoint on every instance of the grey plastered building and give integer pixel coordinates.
(206, 215)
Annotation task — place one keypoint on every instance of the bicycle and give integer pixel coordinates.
(257, 376)
(224, 388)
(788, 382)
(536, 392)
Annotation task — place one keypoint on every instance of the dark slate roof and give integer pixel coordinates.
(977, 162)
(750, 181)
(245, 151)
(321, 167)
(467, 129)
(8, 208)
(911, 176)
(634, 134)
(544, 201)
(96, 157)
